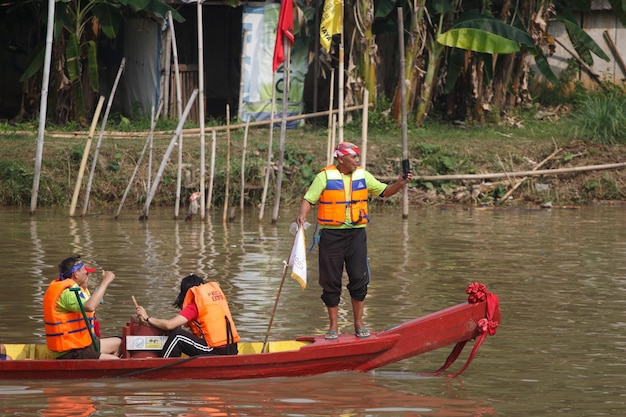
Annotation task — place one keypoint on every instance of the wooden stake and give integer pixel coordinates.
(364, 125)
(283, 131)
(227, 185)
(201, 109)
(179, 112)
(405, 146)
(143, 151)
(243, 166)
(212, 169)
(269, 148)
(539, 165)
(83, 162)
(104, 121)
(43, 106)
(157, 179)
(331, 126)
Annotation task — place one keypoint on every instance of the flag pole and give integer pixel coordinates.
(280, 288)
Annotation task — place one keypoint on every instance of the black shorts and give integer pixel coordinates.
(339, 248)
(88, 352)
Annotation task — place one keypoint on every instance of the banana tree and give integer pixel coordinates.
(78, 26)
(462, 47)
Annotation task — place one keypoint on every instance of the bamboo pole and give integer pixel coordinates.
(535, 168)
(243, 167)
(283, 131)
(157, 179)
(341, 78)
(43, 107)
(201, 109)
(83, 162)
(195, 131)
(329, 148)
(143, 151)
(244, 44)
(227, 185)
(179, 112)
(364, 126)
(615, 51)
(519, 173)
(269, 149)
(167, 73)
(104, 121)
(405, 146)
(212, 169)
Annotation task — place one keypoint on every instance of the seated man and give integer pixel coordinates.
(3, 353)
(70, 321)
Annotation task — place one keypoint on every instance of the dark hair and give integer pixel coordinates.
(67, 264)
(188, 282)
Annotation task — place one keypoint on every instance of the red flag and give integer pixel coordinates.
(284, 29)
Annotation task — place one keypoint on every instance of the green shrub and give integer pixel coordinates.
(599, 116)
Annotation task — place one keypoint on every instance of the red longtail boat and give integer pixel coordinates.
(306, 355)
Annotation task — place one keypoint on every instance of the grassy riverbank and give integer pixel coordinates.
(519, 144)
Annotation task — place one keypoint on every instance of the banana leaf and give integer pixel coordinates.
(478, 40)
(72, 57)
(583, 43)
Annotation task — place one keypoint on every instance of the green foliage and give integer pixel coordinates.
(443, 162)
(604, 188)
(379, 117)
(298, 165)
(599, 116)
(16, 183)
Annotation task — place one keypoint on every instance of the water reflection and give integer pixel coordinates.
(326, 395)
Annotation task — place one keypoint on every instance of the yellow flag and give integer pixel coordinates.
(330, 22)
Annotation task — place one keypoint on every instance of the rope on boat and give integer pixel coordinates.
(486, 326)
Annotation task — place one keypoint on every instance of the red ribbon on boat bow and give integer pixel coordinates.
(477, 293)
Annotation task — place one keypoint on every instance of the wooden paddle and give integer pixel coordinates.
(82, 310)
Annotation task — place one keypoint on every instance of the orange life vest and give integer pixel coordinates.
(64, 331)
(332, 206)
(215, 323)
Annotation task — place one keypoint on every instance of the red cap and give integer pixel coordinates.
(90, 270)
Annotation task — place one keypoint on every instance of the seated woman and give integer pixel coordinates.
(204, 309)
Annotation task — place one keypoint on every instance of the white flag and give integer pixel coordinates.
(297, 258)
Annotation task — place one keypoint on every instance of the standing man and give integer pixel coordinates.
(341, 193)
(68, 334)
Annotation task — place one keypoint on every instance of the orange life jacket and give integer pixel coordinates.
(64, 331)
(215, 323)
(331, 210)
